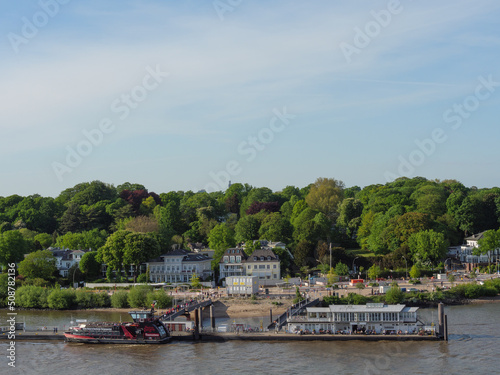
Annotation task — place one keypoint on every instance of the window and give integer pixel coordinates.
(226, 259)
(268, 266)
(274, 266)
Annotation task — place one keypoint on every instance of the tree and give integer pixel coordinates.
(349, 215)
(220, 239)
(341, 269)
(93, 239)
(394, 295)
(488, 243)
(38, 264)
(72, 220)
(374, 272)
(44, 239)
(415, 272)
(325, 196)
(195, 281)
(113, 250)
(427, 245)
(275, 227)
(139, 248)
(13, 246)
(90, 266)
(247, 229)
(304, 254)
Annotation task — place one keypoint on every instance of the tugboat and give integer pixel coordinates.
(146, 329)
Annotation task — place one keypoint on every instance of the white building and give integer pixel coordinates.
(231, 263)
(374, 317)
(179, 266)
(66, 258)
(242, 285)
(464, 253)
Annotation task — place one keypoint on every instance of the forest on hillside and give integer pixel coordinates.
(408, 219)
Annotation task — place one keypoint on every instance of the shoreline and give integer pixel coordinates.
(229, 308)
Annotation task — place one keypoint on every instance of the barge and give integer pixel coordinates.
(145, 329)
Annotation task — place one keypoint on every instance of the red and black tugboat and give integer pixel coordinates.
(146, 329)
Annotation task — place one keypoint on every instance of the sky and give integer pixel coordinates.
(191, 95)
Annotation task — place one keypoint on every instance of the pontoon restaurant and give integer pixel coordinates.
(375, 317)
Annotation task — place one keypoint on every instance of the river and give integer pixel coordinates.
(473, 347)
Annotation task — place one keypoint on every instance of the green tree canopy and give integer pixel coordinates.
(427, 245)
(247, 229)
(374, 272)
(90, 266)
(13, 246)
(325, 196)
(40, 264)
(341, 269)
(220, 239)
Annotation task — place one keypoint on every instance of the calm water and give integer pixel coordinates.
(473, 348)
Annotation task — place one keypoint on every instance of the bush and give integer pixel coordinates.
(61, 299)
(102, 299)
(137, 296)
(32, 297)
(355, 299)
(394, 295)
(88, 299)
(489, 291)
(143, 278)
(495, 283)
(84, 299)
(37, 281)
(162, 299)
(119, 299)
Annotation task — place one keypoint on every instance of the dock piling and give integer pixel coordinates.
(212, 317)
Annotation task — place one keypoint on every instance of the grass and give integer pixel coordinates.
(360, 253)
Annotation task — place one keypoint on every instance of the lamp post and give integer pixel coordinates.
(330, 255)
(406, 263)
(74, 276)
(353, 264)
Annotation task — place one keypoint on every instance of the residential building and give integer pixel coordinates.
(264, 264)
(464, 253)
(179, 266)
(66, 258)
(231, 263)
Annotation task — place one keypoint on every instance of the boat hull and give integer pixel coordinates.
(103, 340)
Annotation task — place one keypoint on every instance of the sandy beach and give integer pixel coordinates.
(237, 307)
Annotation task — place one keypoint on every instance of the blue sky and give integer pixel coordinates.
(229, 72)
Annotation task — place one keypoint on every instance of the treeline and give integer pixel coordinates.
(407, 219)
(461, 292)
(37, 297)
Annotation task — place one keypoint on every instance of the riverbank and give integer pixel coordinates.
(229, 308)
